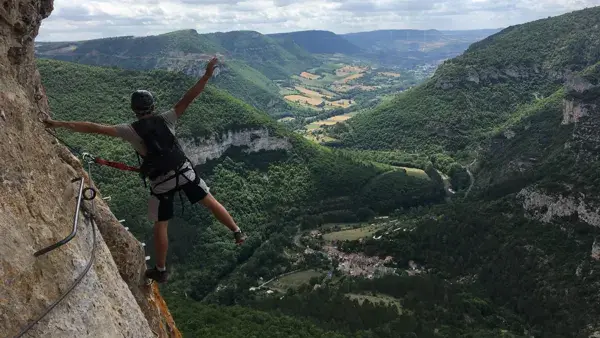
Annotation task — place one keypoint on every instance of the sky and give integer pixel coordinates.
(91, 19)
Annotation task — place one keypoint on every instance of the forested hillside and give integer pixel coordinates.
(269, 192)
(264, 53)
(412, 47)
(247, 59)
(464, 207)
(494, 81)
(318, 42)
(524, 104)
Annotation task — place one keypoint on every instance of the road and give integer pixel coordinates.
(471, 176)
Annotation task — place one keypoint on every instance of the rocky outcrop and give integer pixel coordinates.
(252, 140)
(491, 75)
(545, 207)
(574, 107)
(37, 204)
(573, 111)
(596, 250)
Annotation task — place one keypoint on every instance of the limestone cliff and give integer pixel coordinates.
(251, 140)
(37, 205)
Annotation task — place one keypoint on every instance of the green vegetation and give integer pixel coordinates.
(269, 193)
(352, 234)
(474, 93)
(264, 53)
(517, 264)
(257, 60)
(251, 86)
(430, 308)
(294, 280)
(477, 266)
(318, 42)
(238, 322)
(408, 48)
(376, 299)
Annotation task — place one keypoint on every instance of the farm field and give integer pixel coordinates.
(294, 280)
(352, 234)
(414, 172)
(309, 75)
(330, 121)
(312, 93)
(304, 99)
(352, 77)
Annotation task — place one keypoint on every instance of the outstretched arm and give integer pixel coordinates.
(193, 92)
(83, 127)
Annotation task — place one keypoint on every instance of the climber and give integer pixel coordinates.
(163, 162)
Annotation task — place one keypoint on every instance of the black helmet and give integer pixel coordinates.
(142, 102)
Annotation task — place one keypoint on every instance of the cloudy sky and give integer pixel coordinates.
(88, 19)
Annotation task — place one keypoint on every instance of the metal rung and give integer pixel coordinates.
(121, 220)
(75, 221)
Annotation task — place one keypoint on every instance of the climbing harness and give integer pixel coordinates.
(91, 217)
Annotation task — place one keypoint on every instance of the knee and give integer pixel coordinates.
(210, 202)
(160, 225)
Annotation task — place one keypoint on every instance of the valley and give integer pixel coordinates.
(389, 186)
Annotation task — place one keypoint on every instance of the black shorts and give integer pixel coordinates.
(160, 208)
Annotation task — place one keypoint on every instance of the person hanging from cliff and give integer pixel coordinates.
(164, 163)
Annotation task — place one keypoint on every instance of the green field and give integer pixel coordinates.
(287, 91)
(414, 172)
(379, 298)
(294, 281)
(352, 234)
(330, 121)
(341, 225)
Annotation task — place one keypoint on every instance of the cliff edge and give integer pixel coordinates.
(37, 206)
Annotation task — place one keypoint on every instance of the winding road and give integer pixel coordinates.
(471, 176)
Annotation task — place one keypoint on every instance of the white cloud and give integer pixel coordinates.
(82, 19)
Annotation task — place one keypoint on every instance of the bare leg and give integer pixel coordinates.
(219, 212)
(161, 243)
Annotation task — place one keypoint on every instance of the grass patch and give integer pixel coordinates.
(352, 234)
(310, 93)
(341, 225)
(414, 172)
(287, 91)
(295, 280)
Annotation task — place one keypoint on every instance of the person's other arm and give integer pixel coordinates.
(83, 127)
(193, 92)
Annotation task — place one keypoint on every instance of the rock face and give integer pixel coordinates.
(37, 205)
(252, 140)
(544, 207)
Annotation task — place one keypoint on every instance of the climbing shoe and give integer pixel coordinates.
(239, 237)
(158, 276)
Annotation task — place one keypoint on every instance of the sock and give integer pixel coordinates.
(163, 269)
